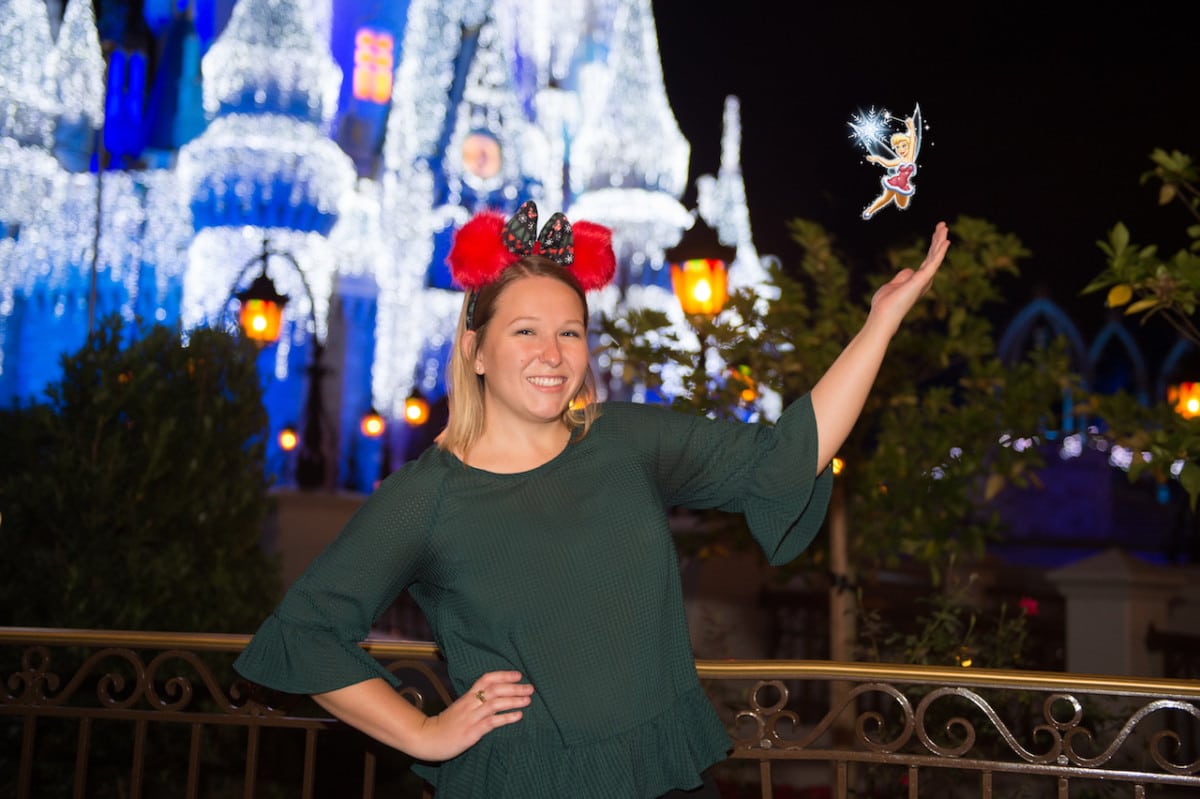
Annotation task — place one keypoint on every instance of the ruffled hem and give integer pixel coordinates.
(301, 660)
(661, 754)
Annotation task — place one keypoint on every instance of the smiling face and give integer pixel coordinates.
(533, 355)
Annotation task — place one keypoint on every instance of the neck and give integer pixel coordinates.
(513, 449)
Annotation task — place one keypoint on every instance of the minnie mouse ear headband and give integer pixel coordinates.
(486, 245)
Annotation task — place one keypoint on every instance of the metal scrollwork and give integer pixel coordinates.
(177, 689)
(1157, 740)
(28, 686)
(966, 729)
(765, 720)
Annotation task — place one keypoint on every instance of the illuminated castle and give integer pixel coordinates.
(336, 146)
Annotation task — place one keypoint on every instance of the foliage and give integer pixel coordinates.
(930, 447)
(1148, 285)
(134, 496)
(1140, 280)
(952, 632)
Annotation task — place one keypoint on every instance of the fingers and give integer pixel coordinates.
(937, 248)
(496, 684)
(499, 692)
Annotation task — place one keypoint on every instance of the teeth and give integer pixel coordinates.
(547, 381)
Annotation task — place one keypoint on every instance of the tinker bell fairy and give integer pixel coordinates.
(898, 153)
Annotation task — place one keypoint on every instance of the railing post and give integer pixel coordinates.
(1112, 600)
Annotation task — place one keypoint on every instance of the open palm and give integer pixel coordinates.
(894, 298)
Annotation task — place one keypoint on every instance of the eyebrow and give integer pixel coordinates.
(524, 319)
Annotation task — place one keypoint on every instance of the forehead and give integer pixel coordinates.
(539, 296)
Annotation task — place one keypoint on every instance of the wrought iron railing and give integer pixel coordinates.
(94, 714)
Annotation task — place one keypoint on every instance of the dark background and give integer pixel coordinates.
(1041, 119)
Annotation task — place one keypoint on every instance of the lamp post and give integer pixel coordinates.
(260, 318)
(698, 267)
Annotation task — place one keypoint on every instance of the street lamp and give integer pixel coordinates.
(372, 424)
(261, 312)
(1185, 399)
(698, 266)
(260, 318)
(416, 409)
(288, 438)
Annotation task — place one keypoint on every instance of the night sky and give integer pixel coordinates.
(1042, 127)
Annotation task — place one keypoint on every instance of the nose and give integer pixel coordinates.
(551, 354)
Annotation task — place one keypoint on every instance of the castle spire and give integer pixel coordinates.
(76, 66)
(269, 59)
(721, 202)
(630, 139)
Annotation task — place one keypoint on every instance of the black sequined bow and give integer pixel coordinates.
(554, 242)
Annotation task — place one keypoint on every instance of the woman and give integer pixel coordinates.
(534, 537)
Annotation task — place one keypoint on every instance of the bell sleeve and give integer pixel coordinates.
(310, 643)
(767, 473)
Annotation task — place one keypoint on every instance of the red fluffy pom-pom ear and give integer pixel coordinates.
(595, 263)
(478, 254)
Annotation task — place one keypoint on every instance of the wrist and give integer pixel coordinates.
(877, 331)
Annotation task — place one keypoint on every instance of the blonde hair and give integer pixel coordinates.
(465, 389)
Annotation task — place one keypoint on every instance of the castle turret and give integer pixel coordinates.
(265, 167)
(628, 162)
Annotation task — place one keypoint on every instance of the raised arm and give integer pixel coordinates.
(375, 708)
(879, 159)
(839, 396)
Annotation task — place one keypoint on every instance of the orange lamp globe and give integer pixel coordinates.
(699, 283)
(698, 265)
(288, 440)
(416, 409)
(260, 320)
(372, 424)
(261, 314)
(1185, 399)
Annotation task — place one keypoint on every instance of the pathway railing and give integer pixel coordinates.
(98, 713)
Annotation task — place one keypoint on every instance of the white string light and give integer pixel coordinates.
(244, 159)
(268, 58)
(576, 79)
(629, 137)
(27, 109)
(75, 67)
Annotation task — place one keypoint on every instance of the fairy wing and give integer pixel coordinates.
(916, 118)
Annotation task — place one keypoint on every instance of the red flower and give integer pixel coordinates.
(1028, 606)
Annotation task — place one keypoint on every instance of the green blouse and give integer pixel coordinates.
(566, 573)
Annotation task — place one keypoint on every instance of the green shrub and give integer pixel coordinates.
(133, 496)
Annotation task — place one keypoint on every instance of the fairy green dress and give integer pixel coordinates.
(566, 573)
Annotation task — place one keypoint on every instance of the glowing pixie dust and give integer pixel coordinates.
(893, 143)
